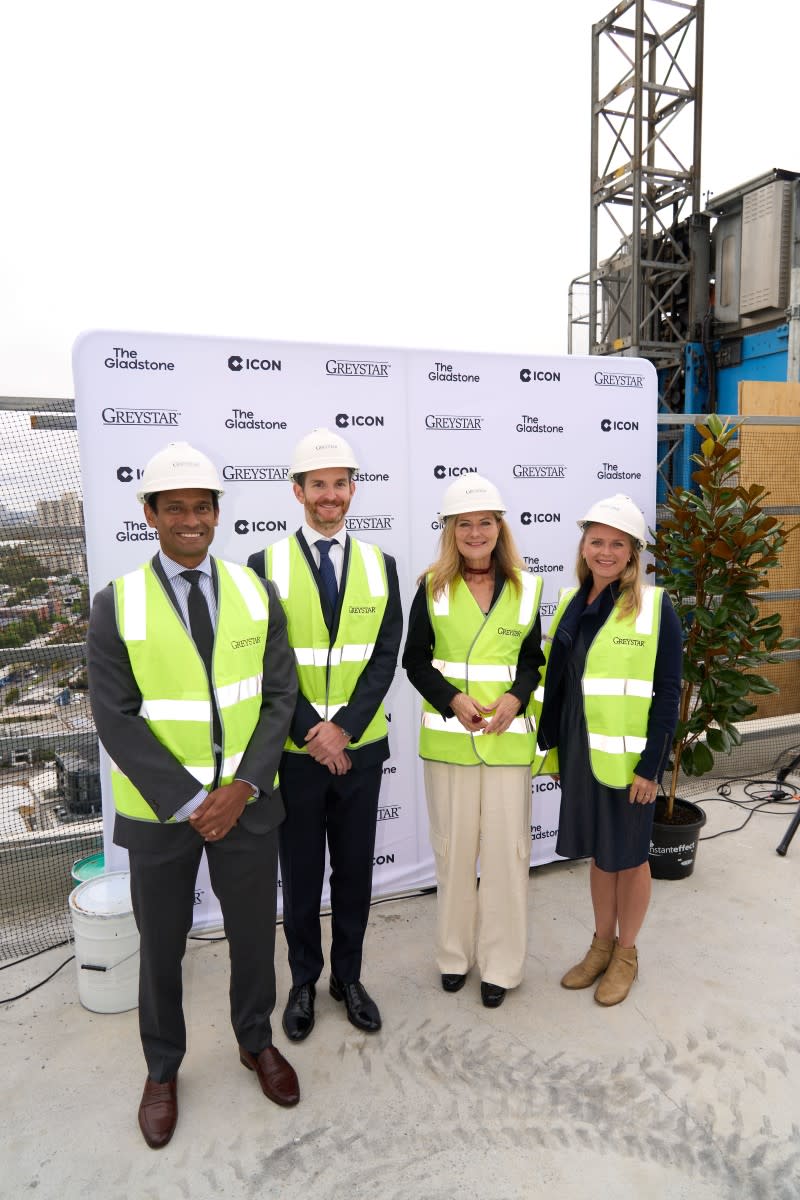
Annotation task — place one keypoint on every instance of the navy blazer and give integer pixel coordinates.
(663, 715)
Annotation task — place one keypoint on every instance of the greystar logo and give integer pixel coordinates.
(621, 379)
(344, 420)
(540, 518)
(141, 416)
(539, 471)
(390, 813)
(444, 373)
(261, 473)
(628, 641)
(528, 424)
(128, 360)
(454, 422)
(609, 426)
(612, 471)
(242, 418)
(363, 524)
(357, 368)
(527, 375)
(237, 363)
(258, 526)
(443, 472)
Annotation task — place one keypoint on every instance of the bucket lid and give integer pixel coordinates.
(88, 868)
(106, 896)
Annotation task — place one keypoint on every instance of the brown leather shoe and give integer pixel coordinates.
(277, 1078)
(158, 1112)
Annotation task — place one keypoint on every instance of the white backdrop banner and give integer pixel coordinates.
(554, 435)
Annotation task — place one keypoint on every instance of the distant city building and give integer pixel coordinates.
(67, 512)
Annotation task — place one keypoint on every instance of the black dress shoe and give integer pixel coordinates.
(492, 995)
(362, 1011)
(453, 983)
(298, 1016)
(158, 1112)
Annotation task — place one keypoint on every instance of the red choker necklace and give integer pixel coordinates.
(477, 570)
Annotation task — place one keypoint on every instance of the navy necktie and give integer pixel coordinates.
(327, 573)
(200, 619)
(202, 632)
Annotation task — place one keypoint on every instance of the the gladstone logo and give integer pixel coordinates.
(242, 418)
(528, 376)
(618, 379)
(442, 472)
(369, 477)
(364, 524)
(540, 518)
(540, 568)
(539, 471)
(128, 360)
(140, 416)
(538, 834)
(607, 425)
(237, 363)
(243, 525)
(344, 420)
(136, 531)
(612, 471)
(444, 373)
(357, 368)
(528, 424)
(261, 473)
(454, 422)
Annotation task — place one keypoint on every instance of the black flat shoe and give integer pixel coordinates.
(492, 995)
(362, 1011)
(298, 1016)
(453, 983)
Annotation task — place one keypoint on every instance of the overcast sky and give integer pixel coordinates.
(411, 174)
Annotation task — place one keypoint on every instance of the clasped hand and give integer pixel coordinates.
(473, 716)
(326, 744)
(221, 809)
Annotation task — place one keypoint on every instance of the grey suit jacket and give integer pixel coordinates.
(166, 785)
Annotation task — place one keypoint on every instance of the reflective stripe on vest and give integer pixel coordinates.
(169, 672)
(618, 686)
(328, 672)
(478, 654)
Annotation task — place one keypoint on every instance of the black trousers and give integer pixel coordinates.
(342, 809)
(243, 873)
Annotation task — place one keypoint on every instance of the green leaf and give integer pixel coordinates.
(718, 740)
(703, 759)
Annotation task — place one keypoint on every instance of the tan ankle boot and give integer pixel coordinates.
(618, 979)
(594, 962)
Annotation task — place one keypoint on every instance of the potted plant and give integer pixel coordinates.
(712, 552)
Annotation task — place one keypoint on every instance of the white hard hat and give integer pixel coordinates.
(619, 512)
(471, 493)
(178, 465)
(320, 449)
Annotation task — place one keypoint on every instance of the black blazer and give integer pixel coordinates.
(166, 785)
(373, 682)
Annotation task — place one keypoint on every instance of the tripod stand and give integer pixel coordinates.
(781, 795)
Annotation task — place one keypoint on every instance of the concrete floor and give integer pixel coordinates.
(687, 1090)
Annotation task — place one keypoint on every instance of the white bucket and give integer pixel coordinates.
(106, 943)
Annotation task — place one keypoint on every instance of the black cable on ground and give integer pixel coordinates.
(41, 983)
(759, 804)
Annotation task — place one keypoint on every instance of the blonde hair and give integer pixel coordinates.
(447, 567)
(630, 582)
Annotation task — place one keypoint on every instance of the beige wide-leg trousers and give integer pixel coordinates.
(481, 811)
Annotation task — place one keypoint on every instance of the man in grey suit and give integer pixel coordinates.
(192, 686)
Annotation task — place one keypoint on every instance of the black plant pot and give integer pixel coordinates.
(673, 845)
